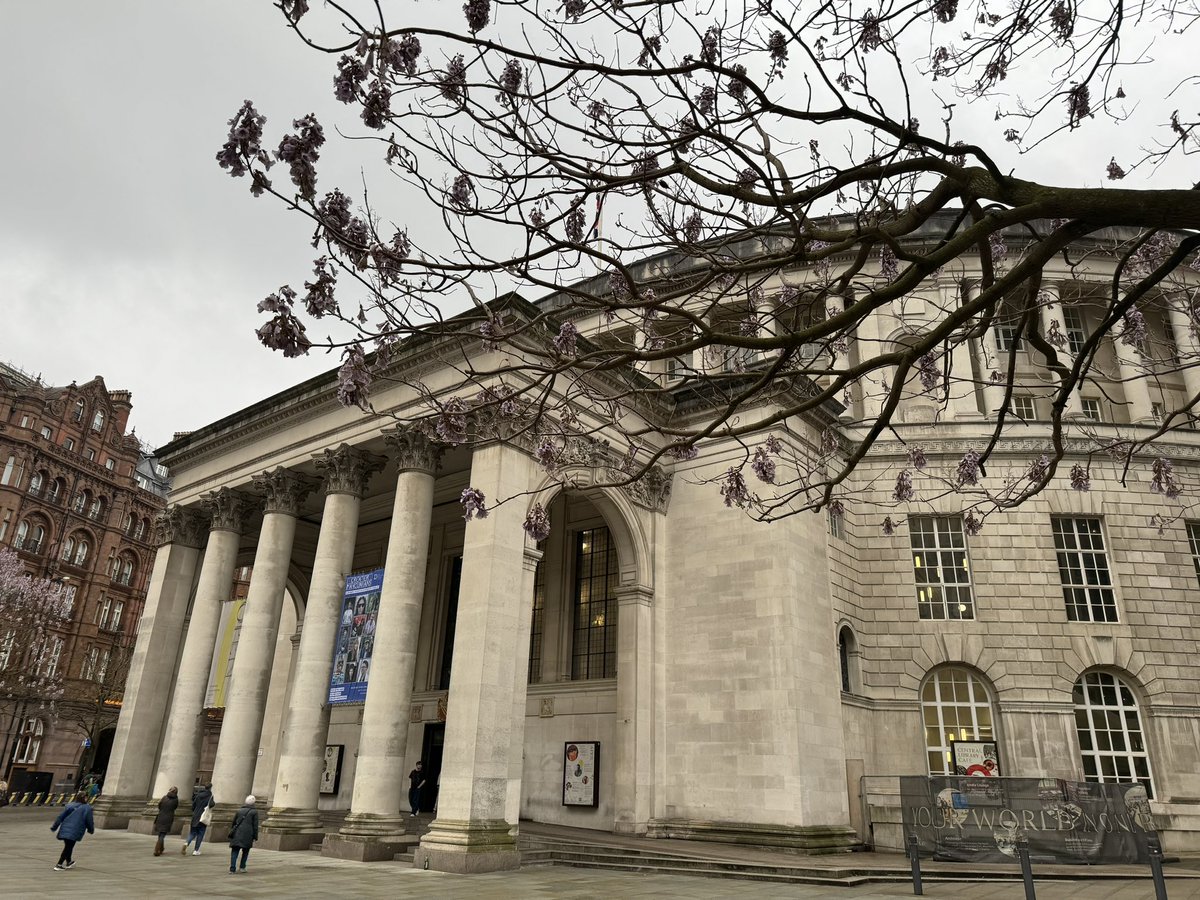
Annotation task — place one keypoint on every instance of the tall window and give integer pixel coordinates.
(36, 482)
(1007, 338)
(955, 706)
(1083, 568)
(537, 625)
(1110, 731)
(941, 568)
(29, 742)
(594, 654)
(1024, 408)
(846, 650)
(1193, 530)
(98, 421)
(82, 549)
(452, 589)
(1091, 410)
(56, 489)
(1076, 333)
(79, 409)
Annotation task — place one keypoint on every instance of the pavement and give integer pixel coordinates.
(111, 864)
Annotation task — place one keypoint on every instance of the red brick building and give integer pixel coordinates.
(78, 498)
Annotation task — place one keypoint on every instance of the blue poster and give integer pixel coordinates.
(355, 638)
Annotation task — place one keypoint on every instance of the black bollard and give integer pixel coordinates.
(1160, 884)
(1026, 869)
(914, 856)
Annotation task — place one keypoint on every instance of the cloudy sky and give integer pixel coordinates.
(126, 252)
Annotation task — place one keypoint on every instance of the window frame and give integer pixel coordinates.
(1088, 686)
(1077, 333)
(1019, 400)
(975, 684)
(585, 632)
(943, 545)
(1106, 588)
(1094, 403)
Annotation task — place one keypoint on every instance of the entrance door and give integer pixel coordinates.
(431, 755)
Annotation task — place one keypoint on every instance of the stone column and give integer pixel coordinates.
(1189, 350)
(516, 747)
(871, 391)
(245, 702)
(990, 361)
(181, 743)
(179, 533)
(294, 822)
(1051, 314)
(635, 680)
(471, 833)
(1133, 373)
(962, 401)
(374, 828)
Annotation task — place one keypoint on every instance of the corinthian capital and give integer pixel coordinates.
(179, 525)
(284, 490)
(347, 469)
(413, 451)
(228, 508)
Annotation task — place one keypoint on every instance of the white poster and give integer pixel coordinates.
(581, 767)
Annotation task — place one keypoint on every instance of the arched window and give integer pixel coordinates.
(30, 536)
(128, 526)
(22, 535)
(98, 421)
(82, 501)
(97, 509)
(36, 482)
(68, 549)
(594, 652)
(79, 410)
(81, 552)
(955, 706)
(1110, 731)
(29, 741)
(122, 570)
(142, 526)
(847, 659)
(55, 491)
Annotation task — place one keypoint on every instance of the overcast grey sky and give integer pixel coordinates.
(126, 252)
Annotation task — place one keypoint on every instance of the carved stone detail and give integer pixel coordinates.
(652, 491)
(347, 469)
(414, 451)
(180, 525)
(284, 490)
(229, 509)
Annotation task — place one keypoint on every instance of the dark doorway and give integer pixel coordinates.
(451, 622)
(104, 745)
(431, 754)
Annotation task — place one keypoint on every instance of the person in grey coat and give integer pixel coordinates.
(202, 802)
(242, 834)
(165, 819)
(71, 824)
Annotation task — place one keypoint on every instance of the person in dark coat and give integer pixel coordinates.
(202, 802)
(72, 822)
(242, 834)
(165, 819)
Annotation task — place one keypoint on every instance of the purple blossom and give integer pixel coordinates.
(284, 332)
(451, 425)
(1133, 328)
(318, 298)
(930, 375)
(829, 441)
(710, 45)
(244, 144)
(354, 380)
(763, 466)
(568, 421)
(377, 105)
(565, 340)
(683, 452)
(691, 228)
(972, 524)
(351, 73)
(773, 444)
(403, 54)
(491, 330)
(1081, 478)
(1062, 20)
(574, 9)
(537, 523)
(733, 488)
(707, 100)
(904, 487)
(736, 86)
(651, 47)
(945, 10)
(473, 503)
(889, 527)
(575, 224)
(1114, 170)
(870, 36)
(968, 469)
(453, 82)
(537, 218)
(1163, 480)
(1079, 104)
(548, 455)
(645, 165)
(460, 192)
(998, 247)
(301, 151)
(1055, 336)
(889, 266)
(294, 9)
(510, 79)
(478, 13)
(916, 458)
(1039, 470)
(777, 45)
(1159, 522)
(596, 111)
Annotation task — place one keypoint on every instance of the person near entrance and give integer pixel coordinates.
(71, 824)
(416, 781)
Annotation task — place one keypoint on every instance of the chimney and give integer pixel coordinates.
(122, 404)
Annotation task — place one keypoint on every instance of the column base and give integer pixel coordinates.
(466, 848)
(367, 837)
(806, 839)
(116, 812)
(291, 829)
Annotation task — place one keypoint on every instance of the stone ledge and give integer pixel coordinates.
(363, 849)
(275, 839)
(805, 839)
(463, 848)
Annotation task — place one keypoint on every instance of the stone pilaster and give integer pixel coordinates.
(962, 401)
(1051, 316)
(1189, 350)
(635, 704)
(294, 822)
(181, 743)
(241, 729)
(1133, 373)
(516, 749)
(179, 532)
(991, 361)
(375, 829)
(471, 833)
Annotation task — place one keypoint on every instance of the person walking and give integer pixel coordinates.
(416, 781)
(165, 820)
(71, 824)
(202, 804)
(242, 834)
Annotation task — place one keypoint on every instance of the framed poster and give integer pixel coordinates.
(975, 758)
(355, 642)
(581, 773)
(331, 774)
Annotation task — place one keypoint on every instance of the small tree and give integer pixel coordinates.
(32, 610)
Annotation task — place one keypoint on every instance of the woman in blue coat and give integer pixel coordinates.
(71, 824)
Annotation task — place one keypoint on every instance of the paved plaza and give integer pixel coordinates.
(119, 864)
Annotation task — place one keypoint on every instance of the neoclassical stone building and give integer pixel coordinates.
(745, 682)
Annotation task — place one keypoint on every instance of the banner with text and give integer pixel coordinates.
(355, 638)
(970, 819)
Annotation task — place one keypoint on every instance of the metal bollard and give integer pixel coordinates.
(914, 856)
(1156, 870)
(1026, 869)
